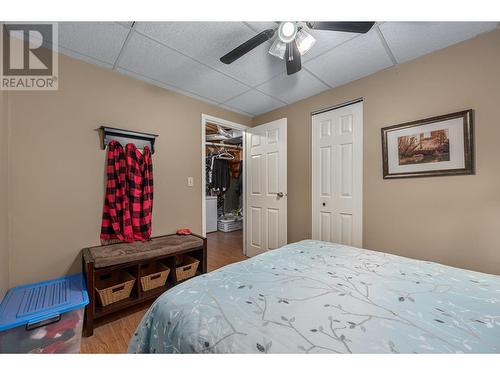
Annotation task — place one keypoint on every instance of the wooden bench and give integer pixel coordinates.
(101, 260)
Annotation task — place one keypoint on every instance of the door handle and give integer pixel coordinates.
(280, 194)
(324, 204)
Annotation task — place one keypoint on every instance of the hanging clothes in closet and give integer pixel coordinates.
(128, 202)
(209, 167)
(218, 172)
(221, 175)
(239, 182)
(232, 197)
(222, 172)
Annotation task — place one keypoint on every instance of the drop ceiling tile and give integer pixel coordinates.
(68, 52)
(99, 40)
(409, 40)
(352, 60)
(256, 67)
(85, 58)
(207, 42)
(294, 87)
(325, 41)
(126, 24)
(153, 60)
(235, 110)
(254, 102)
(261, 26)
(164, 86)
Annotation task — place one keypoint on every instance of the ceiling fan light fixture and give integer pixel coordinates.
(287, 31)
(304, 41)
(278, 49)
(293, 40)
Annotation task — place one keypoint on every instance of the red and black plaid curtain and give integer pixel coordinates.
(128, 204)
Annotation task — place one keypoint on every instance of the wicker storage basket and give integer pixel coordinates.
(114, 287)
(153, 275)
(185, 267)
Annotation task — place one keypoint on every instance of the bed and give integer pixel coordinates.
(318, 297)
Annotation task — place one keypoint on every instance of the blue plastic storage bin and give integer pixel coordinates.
(45, 317)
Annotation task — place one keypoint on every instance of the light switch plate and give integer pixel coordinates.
(190, 181)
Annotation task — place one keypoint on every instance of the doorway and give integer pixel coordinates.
(223, 198)
(337, 174)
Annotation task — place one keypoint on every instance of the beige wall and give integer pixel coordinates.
(57, 166)
(452, 220)
(4, 253)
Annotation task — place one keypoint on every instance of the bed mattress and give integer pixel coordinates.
(318, 297)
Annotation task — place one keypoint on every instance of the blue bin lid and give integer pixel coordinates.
(32, 303)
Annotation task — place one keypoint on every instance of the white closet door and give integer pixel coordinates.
(266, 187)
(337, 175)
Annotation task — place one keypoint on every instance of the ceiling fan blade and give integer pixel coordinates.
(292, 58)
(246, 47)
(349, 27)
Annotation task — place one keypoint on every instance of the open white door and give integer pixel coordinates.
(337, 175)
(266, 187)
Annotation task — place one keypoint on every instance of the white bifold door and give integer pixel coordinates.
(266, 187)
(337, 175)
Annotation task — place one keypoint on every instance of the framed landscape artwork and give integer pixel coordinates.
(436, 146)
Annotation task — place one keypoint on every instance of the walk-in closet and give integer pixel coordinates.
(224, 189)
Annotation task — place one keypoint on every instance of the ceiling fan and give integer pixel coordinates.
(293, 40)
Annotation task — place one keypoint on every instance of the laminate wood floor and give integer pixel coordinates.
(113, 335)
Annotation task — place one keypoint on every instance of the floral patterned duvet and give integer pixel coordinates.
(318, 297)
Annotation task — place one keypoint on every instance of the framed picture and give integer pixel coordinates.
(436, 146)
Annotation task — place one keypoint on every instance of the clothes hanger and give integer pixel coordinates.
(225, 155)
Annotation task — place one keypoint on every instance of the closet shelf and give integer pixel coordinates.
(223, 145)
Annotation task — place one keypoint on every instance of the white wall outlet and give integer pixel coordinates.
(190, 181)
